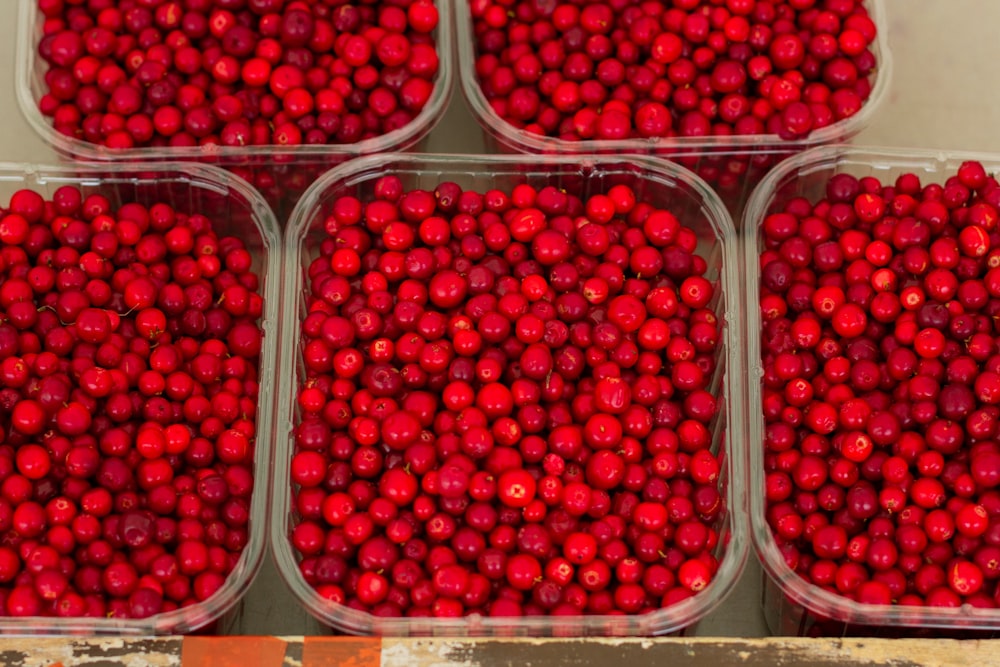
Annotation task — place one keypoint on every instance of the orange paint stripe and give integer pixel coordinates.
(232, 652)
(341, 651)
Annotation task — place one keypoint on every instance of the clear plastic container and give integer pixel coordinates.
(281, 174)
(235, 209)
(731, 165)
(792, 605)
(660, 183)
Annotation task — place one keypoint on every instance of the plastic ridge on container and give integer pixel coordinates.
(659, 182)
(276, 162)
(750, 155)
(235, 208)
(527, 142)
(793, 605)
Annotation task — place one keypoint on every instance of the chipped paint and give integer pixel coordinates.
(111, 643)
(98, 652)
(688, 652)
(426, 653)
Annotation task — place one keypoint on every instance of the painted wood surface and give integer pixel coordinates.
(454, 652)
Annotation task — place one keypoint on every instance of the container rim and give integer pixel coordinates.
(664, 621)
(214, 179)
(26, 60)
(797, 589)
(524, 141)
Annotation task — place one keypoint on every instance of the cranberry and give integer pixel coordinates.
(527, 410)
(878, 393)
(130, 398)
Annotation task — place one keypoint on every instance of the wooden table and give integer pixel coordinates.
(446, 652)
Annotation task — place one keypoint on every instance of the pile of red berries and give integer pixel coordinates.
(129, 351)
(881, 388)
(126, 73)
(505, 405)
(623, 69)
